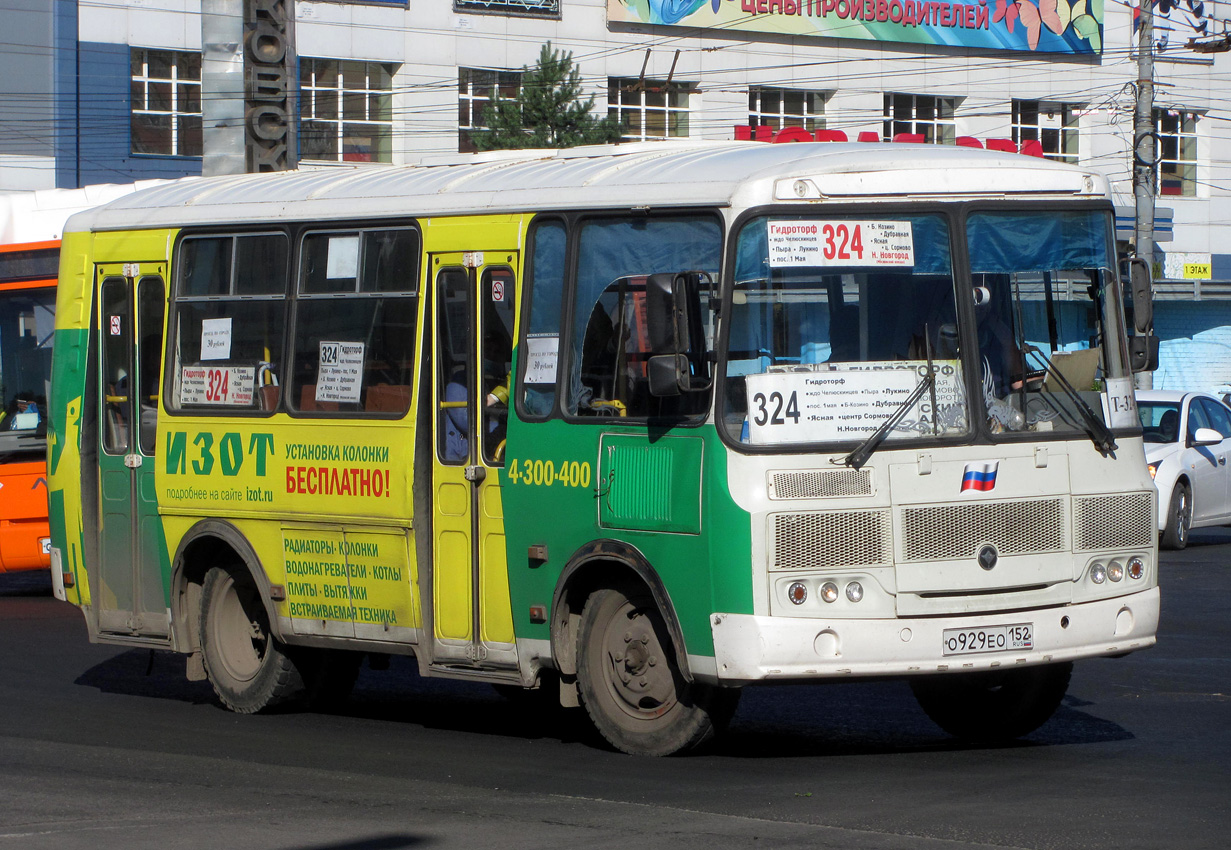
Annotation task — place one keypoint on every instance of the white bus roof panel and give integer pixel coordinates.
(663, 174)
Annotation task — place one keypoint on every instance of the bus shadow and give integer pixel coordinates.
(773, 721)
(146, 673)
(876, 718)
(25, 584)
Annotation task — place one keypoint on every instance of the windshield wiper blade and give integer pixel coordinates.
(1099, 433)
(864, 450)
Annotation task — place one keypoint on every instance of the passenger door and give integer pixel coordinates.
(474, 298)
(130, 595)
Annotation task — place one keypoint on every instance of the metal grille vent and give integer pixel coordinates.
(819, 484)
(1116, 521)
(956, 531)
(834, 539)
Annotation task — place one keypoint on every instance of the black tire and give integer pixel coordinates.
(1179, 518)
(993, 705)
(249, 669)
(631, 684)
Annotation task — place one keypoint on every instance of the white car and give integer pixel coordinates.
(1187, 442)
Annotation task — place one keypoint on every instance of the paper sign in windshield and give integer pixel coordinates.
(820, 243)
(849, 401)
(541, 354)
(216, 339)
(229, 385)
(340, 375)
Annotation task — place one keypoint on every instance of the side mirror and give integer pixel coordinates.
(673, 310)
(1143, 353)
(669, 375)
(1205, 437)
(667, 312)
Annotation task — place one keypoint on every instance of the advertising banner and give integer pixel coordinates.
(1045, 26)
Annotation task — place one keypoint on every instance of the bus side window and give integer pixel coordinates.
(228, 323)
(544, 280)
(358, 297)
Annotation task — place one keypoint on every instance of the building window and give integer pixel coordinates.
(922, 115)
(1052, 125)
(476, 89)
(520, 8)
(1177, 151)
(778, 108)
(346, 110)
(649, 109)
(165, 88)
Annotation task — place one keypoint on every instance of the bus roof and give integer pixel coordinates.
(40, 216)
(662, 174)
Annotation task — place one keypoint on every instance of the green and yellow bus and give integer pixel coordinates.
(638, 425)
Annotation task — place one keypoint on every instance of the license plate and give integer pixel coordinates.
(989, 639)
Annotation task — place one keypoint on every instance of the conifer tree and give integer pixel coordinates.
(548, 112)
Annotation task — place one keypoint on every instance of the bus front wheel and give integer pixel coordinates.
(993, 705)
(249, 669)
(631, 684)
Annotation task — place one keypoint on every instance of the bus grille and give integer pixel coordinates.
(1022, 527)
(821, 483)
(1114, 521)
(832, 539)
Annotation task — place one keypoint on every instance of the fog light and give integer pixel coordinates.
(1136, 568)
(1098, 574)
(1115, 571)
(797, 593)
(854, 591)
(829, 592)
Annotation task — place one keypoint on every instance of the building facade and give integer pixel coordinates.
(392, 82)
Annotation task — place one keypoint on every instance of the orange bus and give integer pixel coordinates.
(27, 322)
(31, 224)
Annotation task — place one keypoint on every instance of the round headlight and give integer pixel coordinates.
(829, 592)
(797, 593)
(1136, 568)
(1115, 571)
(854, 591)
(1098, 573)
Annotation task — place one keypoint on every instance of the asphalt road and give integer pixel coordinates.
(102, 747)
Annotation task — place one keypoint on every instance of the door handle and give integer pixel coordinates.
(478, 473)
(1222, 460)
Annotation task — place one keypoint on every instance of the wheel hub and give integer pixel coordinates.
(641, 684)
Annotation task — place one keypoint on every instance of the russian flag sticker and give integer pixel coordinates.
(980, 476)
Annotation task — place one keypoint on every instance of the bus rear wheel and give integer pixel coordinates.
(994, 705)
(631, 684)
(249, 669)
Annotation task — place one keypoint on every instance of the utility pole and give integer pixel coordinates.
(1145, 150)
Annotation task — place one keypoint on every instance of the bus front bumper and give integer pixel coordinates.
(751, 649)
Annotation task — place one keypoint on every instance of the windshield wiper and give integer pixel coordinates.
(863, 451)
(1099, 433)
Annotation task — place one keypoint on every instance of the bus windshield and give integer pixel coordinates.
(834, 323)
(1047, 318)
(27, 317)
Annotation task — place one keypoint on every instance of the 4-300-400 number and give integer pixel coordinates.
(546, 473)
